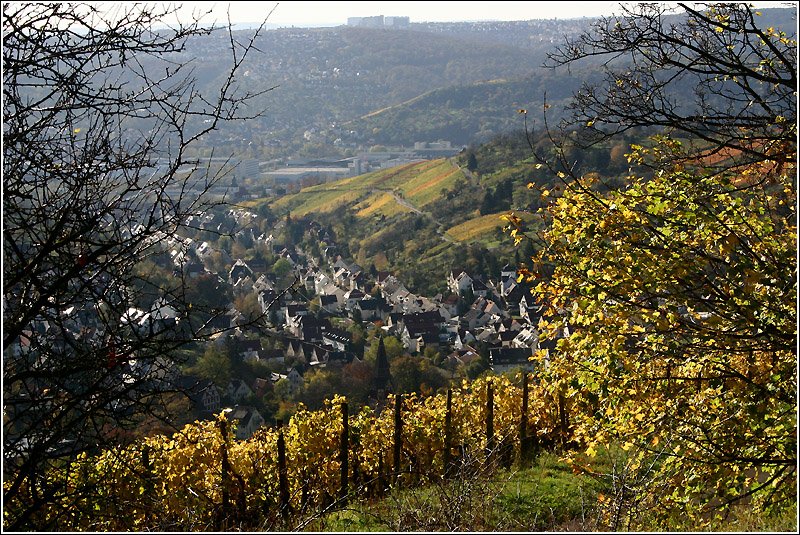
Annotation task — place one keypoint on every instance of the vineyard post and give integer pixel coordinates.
(524, 442)
(398, 437)
(381, 479)
(343, 451)
(149, 482)
(562, 414)
(489, 418)
(225, 472)
(283, 483)
(448, 433)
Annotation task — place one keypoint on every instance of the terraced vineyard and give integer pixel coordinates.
(414, 187)
(372, 194)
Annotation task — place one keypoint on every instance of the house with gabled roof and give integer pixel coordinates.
(530, 310)
(261, 386)
(504, 359)
(358, 280)
(459, 281)
(420, 330)
(321, 280)
(340, 275)
(479, 288)
(339, 264)
(243, 285)
(307, 328)
(329, 303)
(247, 419)
(202, 393)
(337, 339)
(332, 289)
(295, 310)
(290, 255)
(474, 318)
(506, 338)
(296, 349)
(514, 294)
(527, 337)
(258, 266)
(508, 271)
(294, 379)
(249, 350)
(237, 390)
(491, 308)
(372, 309)
(450, 304)
(463, 338)
(267, 299)
(463, 356)
(263, 284)
(351, 298)
(239, 270)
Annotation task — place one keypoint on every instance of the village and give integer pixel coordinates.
(326, 313)
(286, 321)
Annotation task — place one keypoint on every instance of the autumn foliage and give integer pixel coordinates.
(201, 478)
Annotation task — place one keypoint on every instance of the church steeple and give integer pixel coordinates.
(383, 379)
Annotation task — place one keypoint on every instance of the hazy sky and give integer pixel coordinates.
(334, 13)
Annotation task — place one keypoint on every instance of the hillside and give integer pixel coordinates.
(385, 192)
(468, 113)
(323, 77)
(338, 88)
(418, 219)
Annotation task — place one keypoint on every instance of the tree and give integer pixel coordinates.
(357, 381)
(393, 348)
(472, 162)
(678, 290)
(248, 305)
(99, 112)
(414, 374)
(214, 365)
(740, 79)
(406, 374)
(281, 268)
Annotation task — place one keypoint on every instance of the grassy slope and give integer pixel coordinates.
(547, 495)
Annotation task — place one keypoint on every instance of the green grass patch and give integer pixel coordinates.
(543, 497)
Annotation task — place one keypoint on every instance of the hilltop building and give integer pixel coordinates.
(379, 21)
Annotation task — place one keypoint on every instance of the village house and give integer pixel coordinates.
(372, 309)
(202, 393)
(293, 378)
(420, 330)
(249, 350)
(237, 390)
(504, 359)
(351, 298)
(459, 281)
(462, 357)
(329, 303)
(337, 339)
(527, 338)
(239, 270)
(247, 419)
